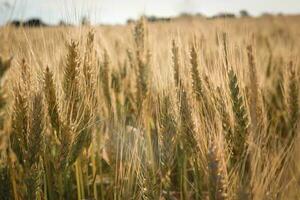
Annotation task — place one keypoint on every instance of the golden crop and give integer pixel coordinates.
(186, 109)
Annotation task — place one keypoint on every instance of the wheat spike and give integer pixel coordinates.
(216, 189)
(104, 78)
(71, 70)
(167, 137)
(293, 100)
(35, 137)
(70, 82)
(33, 182)
(176, 62)
(140, 35)
(87, 64)
(224, 37)
(143, 59)
(65, 146)
(50, 97)
(142, 82)
(197, 83)
(187, 128)
(19, 141)
(225, 118)
(116, 86)
(240, 116)
(254, 95)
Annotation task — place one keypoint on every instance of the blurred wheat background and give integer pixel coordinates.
(190, 108)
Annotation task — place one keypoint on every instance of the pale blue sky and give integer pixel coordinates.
(118, 11)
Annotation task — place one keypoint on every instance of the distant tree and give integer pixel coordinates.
(185, 14)
(34, 22)
(158, 19)
(224, 15)
(15, 23)
(280, 14)
(63, 23)
(130, 21)
(244, 13)
(152, 19)
(85, 21)
(199, 15)
(266, 14)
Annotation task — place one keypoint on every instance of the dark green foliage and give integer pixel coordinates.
(5, 184)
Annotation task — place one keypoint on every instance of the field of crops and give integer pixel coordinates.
(187, 109)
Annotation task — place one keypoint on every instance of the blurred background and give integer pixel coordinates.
(120, 11)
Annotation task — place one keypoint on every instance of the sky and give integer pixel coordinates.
(118, 11)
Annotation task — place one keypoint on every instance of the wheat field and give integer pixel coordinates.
(187, 109)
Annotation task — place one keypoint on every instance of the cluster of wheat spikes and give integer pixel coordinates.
(199, 116)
